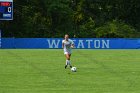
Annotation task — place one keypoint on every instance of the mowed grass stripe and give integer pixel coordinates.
(99, 71)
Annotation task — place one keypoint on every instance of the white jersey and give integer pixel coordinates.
(67, 46)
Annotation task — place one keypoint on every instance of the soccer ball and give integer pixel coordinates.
(73, 69)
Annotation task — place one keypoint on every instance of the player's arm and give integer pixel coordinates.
(62, 44)
(72, 44)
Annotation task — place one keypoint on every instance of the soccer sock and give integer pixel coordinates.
(67, 62)
(70, 64)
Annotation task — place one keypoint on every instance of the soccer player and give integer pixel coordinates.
(67, 45)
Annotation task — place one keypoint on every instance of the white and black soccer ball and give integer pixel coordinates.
(73, 69)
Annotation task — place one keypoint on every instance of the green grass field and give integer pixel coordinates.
(42, 71)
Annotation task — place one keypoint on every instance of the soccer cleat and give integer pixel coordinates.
(70, 66)
(65, 66)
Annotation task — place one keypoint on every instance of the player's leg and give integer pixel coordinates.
(68, 60)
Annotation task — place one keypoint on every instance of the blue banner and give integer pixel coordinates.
(0, 38)
(80, 43)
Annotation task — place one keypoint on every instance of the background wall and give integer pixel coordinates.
(80, 43)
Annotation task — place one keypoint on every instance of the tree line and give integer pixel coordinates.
(78, 18)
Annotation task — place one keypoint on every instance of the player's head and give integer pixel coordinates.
(66, 37)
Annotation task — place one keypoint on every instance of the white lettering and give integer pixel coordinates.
(7, 15)
(97, 43)
(9, 9)
(80, 44)
(74, 41)
(105, 43)
(89, 43)
(53, 44)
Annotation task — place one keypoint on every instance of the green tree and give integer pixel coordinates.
(115, 29)
(83, 18)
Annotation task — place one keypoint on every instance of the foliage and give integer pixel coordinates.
(115, 29)
(80, 18)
